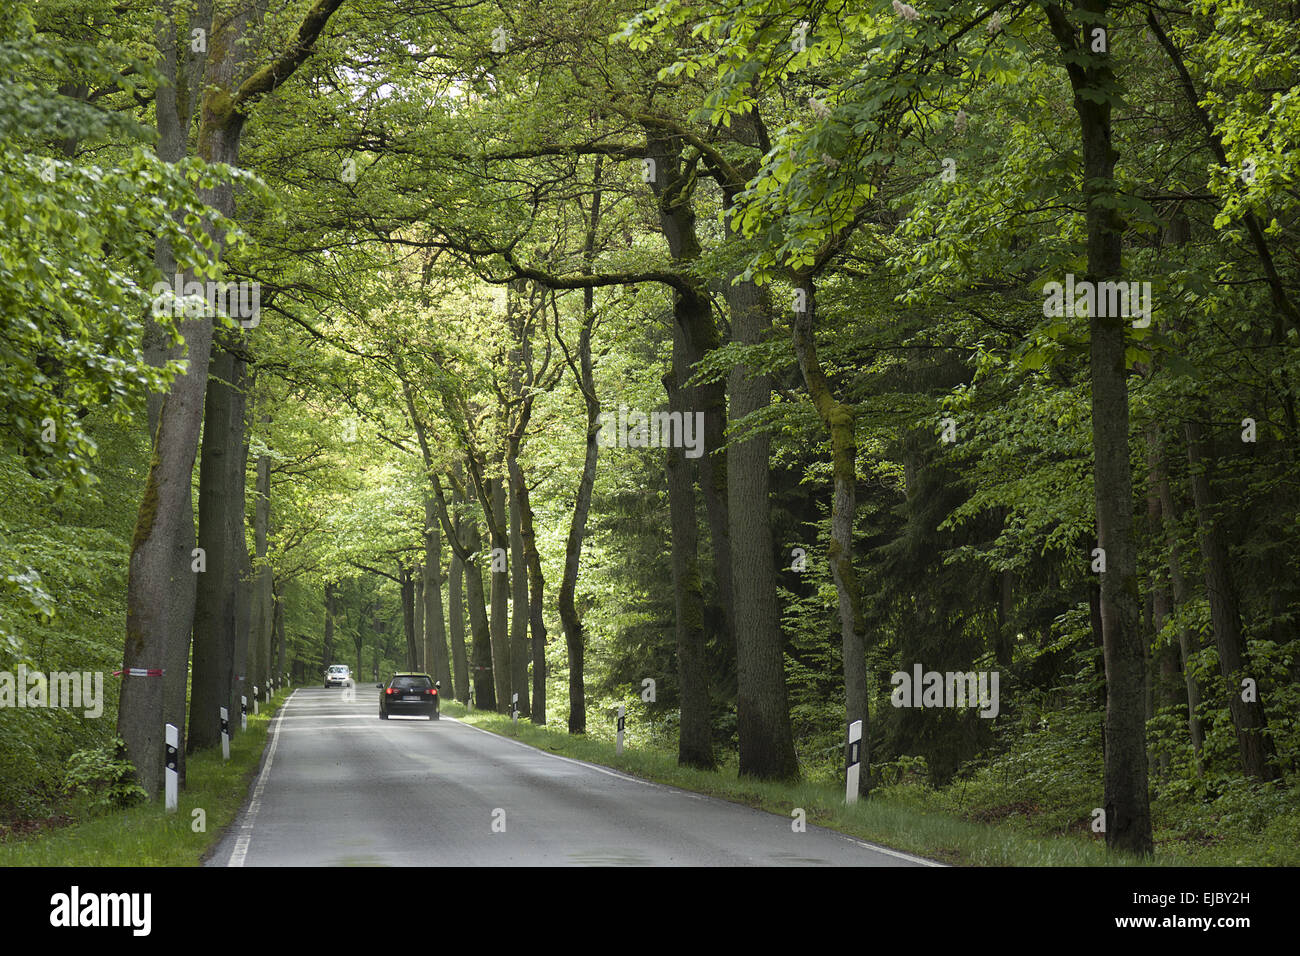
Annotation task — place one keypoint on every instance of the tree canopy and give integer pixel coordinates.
(765, 349)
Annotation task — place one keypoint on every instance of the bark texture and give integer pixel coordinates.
(1127, 804)
(695, 734)
(1254, 744)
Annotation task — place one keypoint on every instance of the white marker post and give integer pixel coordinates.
(514, 712)
(855, 762)
(225, 734)
(171, 776)
(618, 747)
(254, 698)
(243, 712)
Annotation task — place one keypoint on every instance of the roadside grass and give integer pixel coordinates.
(146, 835)
(893, 817)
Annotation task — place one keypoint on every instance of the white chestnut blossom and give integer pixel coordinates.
(904, 10)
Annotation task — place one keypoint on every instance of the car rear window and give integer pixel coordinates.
(411, 683)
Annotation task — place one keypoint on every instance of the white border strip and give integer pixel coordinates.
(246, 827)
(579, 763)
(876, 848)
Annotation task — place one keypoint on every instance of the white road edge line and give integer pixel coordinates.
(698, 796)
(896, 853)
(580, 763)
(246, 827)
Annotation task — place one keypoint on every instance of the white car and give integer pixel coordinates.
(338, 675)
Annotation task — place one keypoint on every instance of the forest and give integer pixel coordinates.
(763, 366)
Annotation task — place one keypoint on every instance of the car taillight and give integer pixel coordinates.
(388, 690)
(433, 691)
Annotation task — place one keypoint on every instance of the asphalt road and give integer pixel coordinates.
(340, 787)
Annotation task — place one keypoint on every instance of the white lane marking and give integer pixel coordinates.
(326, 717)
(246, 828)
(294, 729)
(579, 763)
(698, 796)
(888, 852)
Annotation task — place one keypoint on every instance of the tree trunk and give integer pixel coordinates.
(1253, 740)
(1178, 587)
(359, 644)
(838, 420)
(160, 582)
(1162, 681)
(536, 587)
(499, 593)
(328, 650)
(762, 708)
(574, 634)
(408, 616)
(239, 684)
(570, 622)
(433, 635)
(1127, 805)
(525, 561)
(435, 628)
(160, 579)
(456, 621)
(263, 619)
(423, 662)
(462, 535)
(693, 314)
(280, 671)
(695, 732)
(221, 526)
(484, 687)
(175, 101)
(1005, 643)
(519, 650)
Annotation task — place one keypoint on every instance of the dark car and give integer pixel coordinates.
(409, 694)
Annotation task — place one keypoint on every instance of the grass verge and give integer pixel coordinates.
(146, 835)
(886, 819)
